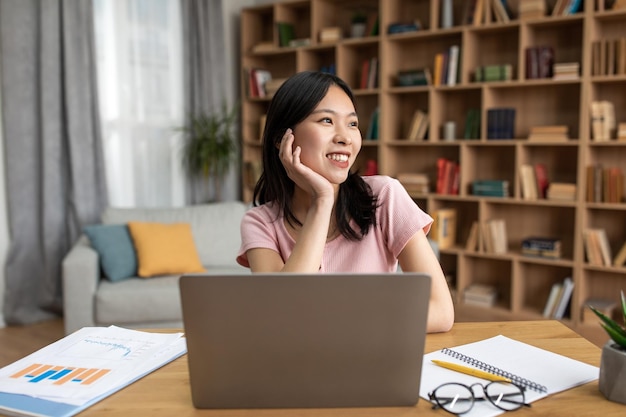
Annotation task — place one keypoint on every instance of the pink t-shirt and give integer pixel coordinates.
(398, 218)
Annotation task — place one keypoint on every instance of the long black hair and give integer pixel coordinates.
(293, 102)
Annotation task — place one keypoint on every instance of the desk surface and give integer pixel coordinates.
(166, 391)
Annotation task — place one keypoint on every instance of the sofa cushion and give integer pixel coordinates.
(115, 250)
(215, 227)
(164, 249)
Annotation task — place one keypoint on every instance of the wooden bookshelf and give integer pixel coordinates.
(523, 282)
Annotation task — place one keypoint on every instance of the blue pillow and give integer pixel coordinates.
(115, 248)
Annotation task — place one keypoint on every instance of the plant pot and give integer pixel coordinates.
(357, 30)
(612, 379)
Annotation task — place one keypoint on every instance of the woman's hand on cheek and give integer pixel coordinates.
(304, 177)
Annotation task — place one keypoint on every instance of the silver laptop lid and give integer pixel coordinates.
(297, 341)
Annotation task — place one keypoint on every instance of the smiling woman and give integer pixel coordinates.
(314, 214)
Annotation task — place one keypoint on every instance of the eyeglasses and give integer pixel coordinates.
(458, 398)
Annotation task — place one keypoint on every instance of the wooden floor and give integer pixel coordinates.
(19, 341)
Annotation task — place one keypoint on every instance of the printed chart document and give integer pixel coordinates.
(84, 367)
(541, 371)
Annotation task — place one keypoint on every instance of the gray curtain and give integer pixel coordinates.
(204, 69)
(54, 166)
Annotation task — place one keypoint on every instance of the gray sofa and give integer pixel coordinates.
(91, 300)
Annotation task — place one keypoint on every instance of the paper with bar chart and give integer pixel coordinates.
(90, 364)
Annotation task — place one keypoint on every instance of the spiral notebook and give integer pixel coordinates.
(541, 372)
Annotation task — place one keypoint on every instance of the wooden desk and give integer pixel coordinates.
(166, 391)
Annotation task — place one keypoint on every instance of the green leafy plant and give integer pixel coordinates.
(210, 145)
(359, 16)
(614, 329)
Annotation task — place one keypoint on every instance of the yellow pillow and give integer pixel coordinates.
(164, 249)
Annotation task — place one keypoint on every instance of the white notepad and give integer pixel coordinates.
(538, 366)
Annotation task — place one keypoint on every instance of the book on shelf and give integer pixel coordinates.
(500, 11)
(597, 247)
(402, 27)
(599, 127)
(257, 81)
(608, 56)
(482, 295)
(447, 177)
(418, 126)
(374, 125)
(331, 34)
(443, 229)
(285, 32)
(562, 191)
(472, 124)
(501, 123)
(541, 178)
(621, 131)
(543, 247)
(265, 46)
(472, 243)
(620, 257)
(452, 74)
(532, 9)
(566, 7)
(369, 73)
(415, 182)
(262, 122)
(496, 72)
(494, 236)
(552, 133)
(490, 188)
(539, 62)
(559, 299)
(566, 71)
(528, 182)
(605, 184)
(415, 77)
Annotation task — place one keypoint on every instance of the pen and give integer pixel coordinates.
(471, 371)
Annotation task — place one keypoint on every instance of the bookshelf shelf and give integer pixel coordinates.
(524, 282)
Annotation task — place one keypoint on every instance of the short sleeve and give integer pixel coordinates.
(257, 231)
(399, 216)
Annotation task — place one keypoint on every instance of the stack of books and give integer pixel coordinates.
(561, 191)
(415, 77)
(566, 71)
(553, 133)
(490, 188)
(415, 182)
(544, 247)
(532, 9)
(480, 295)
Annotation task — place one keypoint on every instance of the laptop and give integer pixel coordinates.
(303, 341)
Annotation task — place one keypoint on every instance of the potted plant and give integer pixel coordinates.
(612, 381)
(210, 145)
(358, 24)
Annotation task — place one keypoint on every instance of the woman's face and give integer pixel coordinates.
(329, 137)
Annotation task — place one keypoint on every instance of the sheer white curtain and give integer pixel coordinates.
(140, 83)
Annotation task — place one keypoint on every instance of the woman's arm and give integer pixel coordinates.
(418, 256)
(306, 256)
